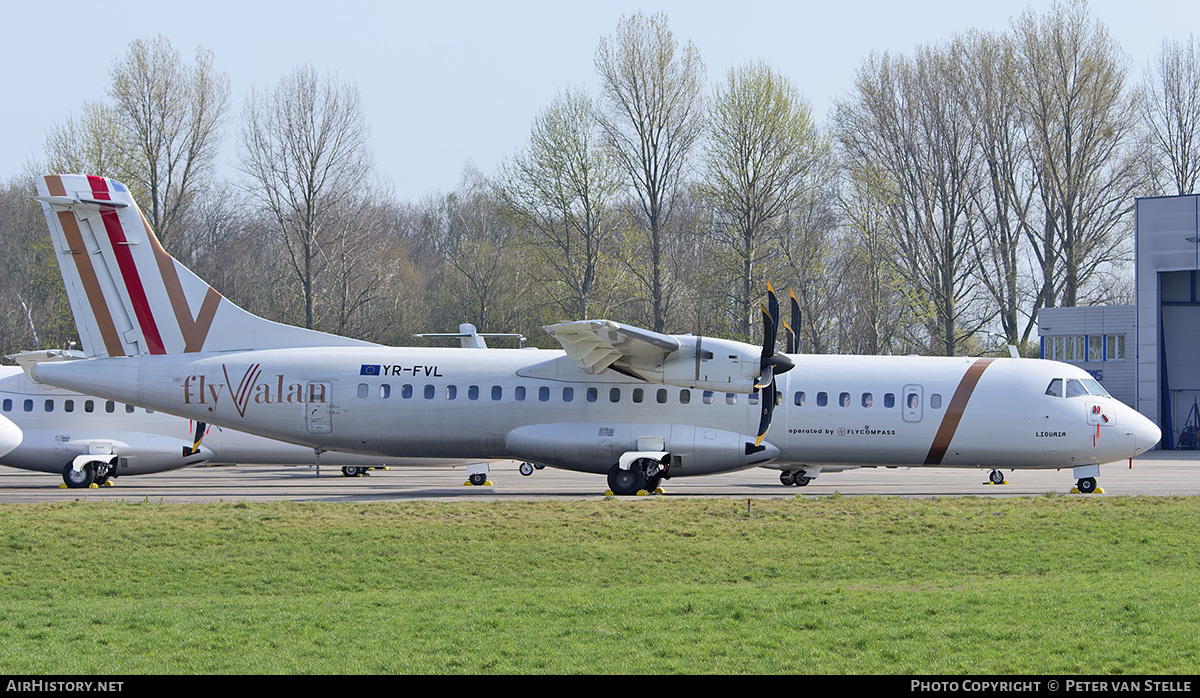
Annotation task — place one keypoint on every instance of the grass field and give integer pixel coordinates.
(1052, 584)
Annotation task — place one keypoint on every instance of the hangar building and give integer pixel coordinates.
(1156, 366)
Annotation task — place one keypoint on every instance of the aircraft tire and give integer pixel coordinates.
(1086, 485)
(526, 469)
(787, 478)
(82, 479)
(478, 479)
(626, 482)
(353, 471)
(802, 480)
(996, 477)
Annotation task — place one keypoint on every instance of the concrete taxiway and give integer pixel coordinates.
(1156, 473)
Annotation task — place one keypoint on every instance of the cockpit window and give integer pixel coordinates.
(1093, 386)
(1055, 388)
(1075, 388)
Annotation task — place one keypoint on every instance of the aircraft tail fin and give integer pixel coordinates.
(129, 296)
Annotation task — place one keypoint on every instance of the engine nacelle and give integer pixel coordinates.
(705, 363)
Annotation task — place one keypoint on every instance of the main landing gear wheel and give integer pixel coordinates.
(526, 469)
(787, 478)
(478, 479)
(996, 477)
(1086, 485)
(84, 477)
(627, 482)
(803, 480)
(353, 471)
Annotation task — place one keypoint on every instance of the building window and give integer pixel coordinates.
(1095, 348)
(1115, 347)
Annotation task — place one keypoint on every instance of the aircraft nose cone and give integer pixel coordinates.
(10, 436)
(1146, 435)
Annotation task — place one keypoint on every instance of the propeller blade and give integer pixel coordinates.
(767, 407)
(795, 326)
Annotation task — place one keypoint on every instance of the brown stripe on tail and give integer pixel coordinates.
(954, 413)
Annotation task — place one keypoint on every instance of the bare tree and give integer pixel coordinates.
(1170, 111)
(304, 150)
(1079, 121)
(562, 188)
(97, 142)
(906, 120)
(762, 147)
(1004, 201)
(173, 113)
(651, 118)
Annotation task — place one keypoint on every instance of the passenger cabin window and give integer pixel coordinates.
(935, 401)
(822, 399)
(638, 394)
(385, 390)
(473, 392)
(568, 394)
(544, 394)
(798, 399)
(451, 392)
(128, 409)
(730, 398)
(614, 395)
(110, 407)
(8, 404)
(685, 396)
(69, 405)
(592, 394)
(753, 398)
(497, 392)
(28, 406)
(867, 400)
(90, 406)
(661, 396)
(430, 391)
(362, 390)
(49, 406)
(889, 400)
(844, 399)
(519, 393)
(406, 391)
(707, 397)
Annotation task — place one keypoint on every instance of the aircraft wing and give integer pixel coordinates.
(597, 344)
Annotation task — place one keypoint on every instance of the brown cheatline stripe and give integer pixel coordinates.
(194, 331)
(954, 413)
(87, 274)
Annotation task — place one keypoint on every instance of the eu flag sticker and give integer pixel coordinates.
(369, 370)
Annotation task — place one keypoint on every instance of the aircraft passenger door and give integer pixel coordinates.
(318, 408)
(913, 403)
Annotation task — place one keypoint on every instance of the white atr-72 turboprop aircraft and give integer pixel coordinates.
(636, 405)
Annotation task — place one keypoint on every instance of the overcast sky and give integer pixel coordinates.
(454, 82)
